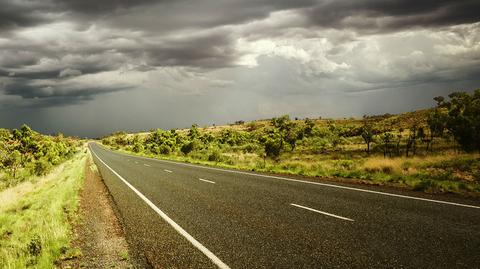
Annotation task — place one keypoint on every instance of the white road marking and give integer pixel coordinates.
(146, 165)
(136, 162)
(206, 180)
(322, 212)
(168, 171)
(164, 216)
(309, 182)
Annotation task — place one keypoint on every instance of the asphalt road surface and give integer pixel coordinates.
(180, 215)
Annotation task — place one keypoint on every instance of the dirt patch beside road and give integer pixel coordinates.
(98, 236)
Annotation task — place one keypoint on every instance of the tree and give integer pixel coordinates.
(288, 131)
(272, 145)
(309, 124)
(293, 134)
(399, 140)
(13, 162)
(282, 124)
(436, 121)
(412, 141)
(463, 119)
(387, 139)
(367, 135)
(421, 134)
(193, 132)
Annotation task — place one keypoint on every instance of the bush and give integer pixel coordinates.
(164, 149)
(250, 148)
(273, 148)
(424, 185)
(319, 145)
(215, 156)
(42, 166)
(34, 247)
(187, 147)
(137, 147)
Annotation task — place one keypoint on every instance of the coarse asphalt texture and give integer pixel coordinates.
(251, 221)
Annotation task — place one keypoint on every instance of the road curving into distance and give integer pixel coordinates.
(188, 216)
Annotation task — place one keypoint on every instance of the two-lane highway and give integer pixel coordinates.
(187, 216)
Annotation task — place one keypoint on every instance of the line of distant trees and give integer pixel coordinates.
(456, 118)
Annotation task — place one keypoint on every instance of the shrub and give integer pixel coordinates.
(187, 147)
(34, 247)
(273, 148)
(215, 156)
(164, 149)
(137, 147)
(41, 166)
(319, 145)
(250, 148)
(423, 185)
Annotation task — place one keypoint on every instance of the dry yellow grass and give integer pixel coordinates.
(404, 165)
(380, 164)
(12, 195)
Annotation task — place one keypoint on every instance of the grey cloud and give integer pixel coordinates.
(69, 73)
(171, 15)
(19, 58)
(14, 14)
(379, 16)
(103, 6)
(205, 51)
(54, 95)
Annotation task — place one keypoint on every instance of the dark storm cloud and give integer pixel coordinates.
(102, 6)
(204, 51)
(191, 14)
(59, 71)
(14, 14)
(378, 16)
(48, 95)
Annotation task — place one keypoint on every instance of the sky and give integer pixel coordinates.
(90, 67)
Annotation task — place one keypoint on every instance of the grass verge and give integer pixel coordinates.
(443, 173)
(35, 225)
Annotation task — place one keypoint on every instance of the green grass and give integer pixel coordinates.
(35, 227)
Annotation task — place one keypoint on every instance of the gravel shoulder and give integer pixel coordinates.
(98, 235)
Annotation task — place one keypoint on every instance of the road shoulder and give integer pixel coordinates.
(98, 235)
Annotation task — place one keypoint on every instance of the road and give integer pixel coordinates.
(180, 215)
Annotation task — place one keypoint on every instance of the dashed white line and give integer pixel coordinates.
(208, 181)
(146, 165)
(322, 212)
(164, 216)
(168, 171)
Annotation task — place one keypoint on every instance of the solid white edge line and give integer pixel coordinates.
(308, 182)
(164, 216)
(168, 171)
(322, 212)
(206, 180)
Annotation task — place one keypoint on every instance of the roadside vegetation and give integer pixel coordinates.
(36, 216)
(40, 176)
(25, 154)
(433, 150)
